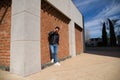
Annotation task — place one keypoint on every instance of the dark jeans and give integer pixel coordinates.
(54, 52)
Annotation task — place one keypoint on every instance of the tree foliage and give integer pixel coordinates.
(112, 33)
(104, 35)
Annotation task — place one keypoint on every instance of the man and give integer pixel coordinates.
(53, 43)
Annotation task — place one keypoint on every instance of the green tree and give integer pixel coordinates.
(104, 35)
(112, 33)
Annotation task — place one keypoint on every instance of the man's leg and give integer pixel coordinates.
(56, 55)
(56, 52)
(52, 52)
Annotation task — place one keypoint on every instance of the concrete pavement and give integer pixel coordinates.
(81, 67)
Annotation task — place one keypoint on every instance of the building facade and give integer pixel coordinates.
(24, 33)
(94, 42)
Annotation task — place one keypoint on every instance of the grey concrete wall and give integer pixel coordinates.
(25, 37)
(25, 47)
(68, 8)
(72, 46)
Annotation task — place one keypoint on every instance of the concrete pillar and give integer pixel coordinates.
(25, 37)
(72, 44)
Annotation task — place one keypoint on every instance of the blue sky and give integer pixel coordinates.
(95, 12)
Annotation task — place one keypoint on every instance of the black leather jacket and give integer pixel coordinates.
(53, 37)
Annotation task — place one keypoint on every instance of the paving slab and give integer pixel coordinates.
(82, 67)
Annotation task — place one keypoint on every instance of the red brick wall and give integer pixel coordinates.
(78, 38)
(5, 38)
(51, 18)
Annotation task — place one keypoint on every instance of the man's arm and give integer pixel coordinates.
(51, 33)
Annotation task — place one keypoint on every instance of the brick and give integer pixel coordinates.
(78, 38)
(5, 38)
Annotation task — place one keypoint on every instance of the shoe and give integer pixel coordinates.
(52, 61)
(57, 63)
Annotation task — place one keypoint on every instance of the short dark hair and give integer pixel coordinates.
(57, 27)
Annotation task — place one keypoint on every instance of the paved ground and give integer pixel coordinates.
(83, 67)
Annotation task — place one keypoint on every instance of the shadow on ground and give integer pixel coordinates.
(105, 51)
